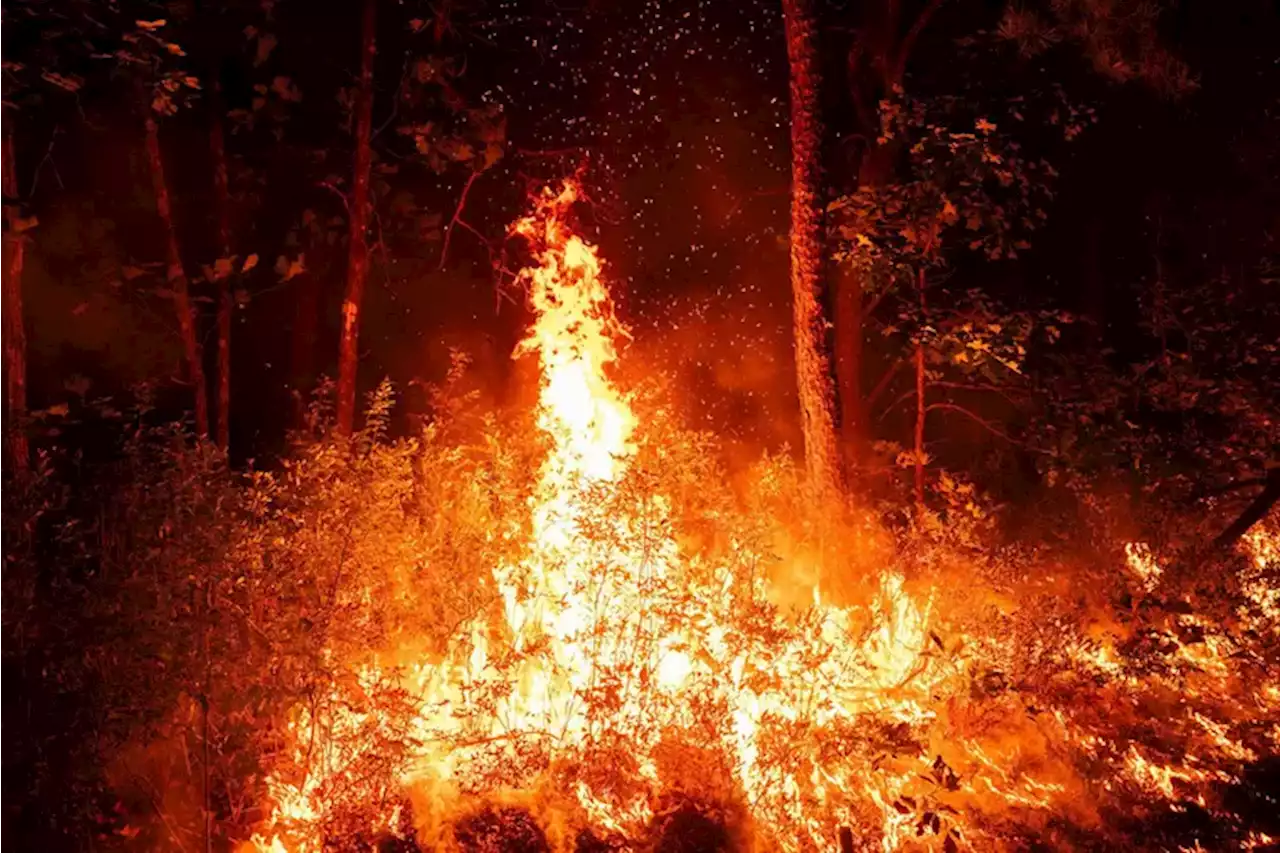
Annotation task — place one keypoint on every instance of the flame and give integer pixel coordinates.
(614, 666)
(602, 613)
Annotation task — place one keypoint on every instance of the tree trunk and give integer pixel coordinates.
(15, 335)
(919, 433)
(1255, 512)
(921, 408)
(813, 375)
(177, 280)
(358, 247)
(222, 204)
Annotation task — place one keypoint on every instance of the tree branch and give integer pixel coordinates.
(909, 40)
(48, 158)
(990, 427)
(1253, 513)
(457, 214)
(883, 384)
(333, 188)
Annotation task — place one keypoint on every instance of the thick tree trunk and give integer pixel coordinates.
(813, 375)
(358, 247)
(222, 204)
(177, 280)
(15, 335)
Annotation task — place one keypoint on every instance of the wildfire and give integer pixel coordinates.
(616, 670)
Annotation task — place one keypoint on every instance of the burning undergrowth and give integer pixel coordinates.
(571, 629)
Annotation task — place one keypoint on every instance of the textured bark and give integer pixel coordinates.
(222, 205)
(15, 335)
(813, 374)
(358, 214)
(177, 279)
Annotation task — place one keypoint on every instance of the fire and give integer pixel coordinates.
(616, 670)
(607, 635)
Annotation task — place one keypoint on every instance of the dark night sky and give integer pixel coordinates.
(679, 107)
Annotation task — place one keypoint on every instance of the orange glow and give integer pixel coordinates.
(616, 665)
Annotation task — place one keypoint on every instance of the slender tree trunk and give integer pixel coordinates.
(222, 204)
(921, 407)
(919, 436)
(15, 335)
(1255, 512)
(358, 247)
(813, 374)
(177, 279)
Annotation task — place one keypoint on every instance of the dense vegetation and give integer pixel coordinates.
(1061, 481)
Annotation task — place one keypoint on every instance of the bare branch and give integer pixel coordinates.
(48, 158)
(333, 188)
(457, 214)
(883, 384)
(984, 423)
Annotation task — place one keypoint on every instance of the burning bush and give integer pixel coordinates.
(568, 630)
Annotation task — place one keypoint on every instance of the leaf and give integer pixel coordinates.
(25, 224)
(287, 269)
(249, 263)
(130, 273)
(492, 154)
(266, 43)
(80, 309)
(222, 268)
(284, 87)
(151, 26)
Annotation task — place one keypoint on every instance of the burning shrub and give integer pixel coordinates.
(589, 635)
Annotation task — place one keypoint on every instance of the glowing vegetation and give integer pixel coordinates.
(642, 640)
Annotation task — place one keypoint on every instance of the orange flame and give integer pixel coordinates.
(609, 635)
